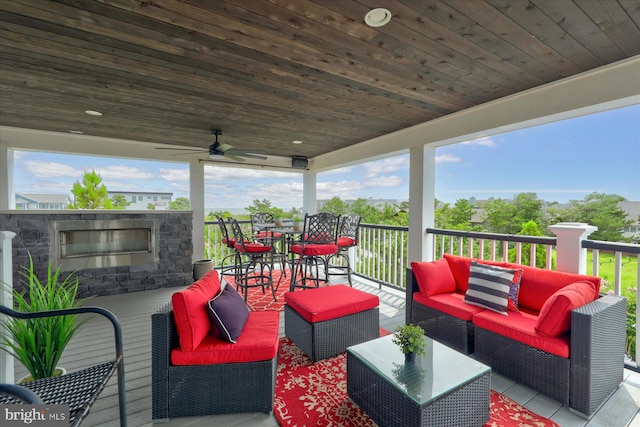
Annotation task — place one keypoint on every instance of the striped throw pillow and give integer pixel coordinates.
(489, 286)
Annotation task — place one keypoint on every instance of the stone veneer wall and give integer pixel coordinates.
(175, 250)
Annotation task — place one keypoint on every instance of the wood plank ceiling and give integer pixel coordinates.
(267, 72)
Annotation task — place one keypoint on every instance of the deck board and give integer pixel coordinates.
(94, 342)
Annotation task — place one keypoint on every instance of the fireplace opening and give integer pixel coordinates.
(103, 243)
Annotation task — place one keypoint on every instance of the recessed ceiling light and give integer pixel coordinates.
(93, 112)
(76, 131)
(297, 142)
(377, 17)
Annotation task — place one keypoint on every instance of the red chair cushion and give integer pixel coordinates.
(555, 317)
(315, 249)
(520, 326)
(344, 242)
(254, 248)
(450, 303)
(330, 302)
(434, 277)
(190, 310)
(258, 341)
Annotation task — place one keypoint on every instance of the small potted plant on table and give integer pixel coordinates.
(410, 339)
(39, 343)
(297, 223)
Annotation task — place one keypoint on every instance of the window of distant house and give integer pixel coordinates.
(155, 198)
(140, 198)
(133, 199)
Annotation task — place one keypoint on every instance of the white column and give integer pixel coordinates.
(196, 196)
(7, 193)
(309, 193)
(570, 256)
(421, 202)
(6, 299)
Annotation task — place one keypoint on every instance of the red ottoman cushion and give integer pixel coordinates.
(330, 302)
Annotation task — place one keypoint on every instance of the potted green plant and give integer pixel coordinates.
(410, 339)
(297, 223)
(39, 343)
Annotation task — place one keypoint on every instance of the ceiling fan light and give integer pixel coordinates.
(377, 17)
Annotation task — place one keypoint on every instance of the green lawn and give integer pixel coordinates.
(629, 281)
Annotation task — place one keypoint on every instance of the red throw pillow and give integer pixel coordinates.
(190, 310)
(434, 277)
(555, 316)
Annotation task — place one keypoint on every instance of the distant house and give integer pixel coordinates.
(633, 213)
(35, 201)
(141, 200)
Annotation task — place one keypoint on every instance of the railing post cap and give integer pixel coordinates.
(580, 228)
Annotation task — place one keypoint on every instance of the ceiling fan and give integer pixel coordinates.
(218, 150)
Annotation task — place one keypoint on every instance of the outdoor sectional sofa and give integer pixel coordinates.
(205, 366)
(556, 333)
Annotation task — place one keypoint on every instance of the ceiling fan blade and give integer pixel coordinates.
(234, 157)
(224, 147)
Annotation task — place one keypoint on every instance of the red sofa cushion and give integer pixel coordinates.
(258, 341)
(330, 302)
(434, 277)
(450, 303)
(190, 310)
(555, 317)
(536, 285)
(520, 326)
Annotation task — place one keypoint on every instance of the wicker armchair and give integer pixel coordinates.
(191, 390)
(79, 389)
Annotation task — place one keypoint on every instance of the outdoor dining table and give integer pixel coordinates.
(289, 236)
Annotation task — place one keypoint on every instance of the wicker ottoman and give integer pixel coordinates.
(325, 321)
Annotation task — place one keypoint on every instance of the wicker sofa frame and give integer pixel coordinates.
(79, 389)
(181, 391)
(320, 340)
(583, 382)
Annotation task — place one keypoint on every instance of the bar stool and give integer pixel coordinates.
(257, 271)
(346, 239)
(317, 245)
(229, 243)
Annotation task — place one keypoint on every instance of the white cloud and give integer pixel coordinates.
(384, 181)
(448, 158)
(390, 164)
(122, 172)
(485, 142)
(219, 172)
(174, 174)
(41, 169)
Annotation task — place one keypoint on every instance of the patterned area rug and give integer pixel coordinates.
(310, 394)
(259, 301)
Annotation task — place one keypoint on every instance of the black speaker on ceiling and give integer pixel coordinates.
(299, 162)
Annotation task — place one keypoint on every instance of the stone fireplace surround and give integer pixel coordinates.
(174, 250)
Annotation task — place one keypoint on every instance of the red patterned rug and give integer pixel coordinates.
(259, 301)
(309, 394)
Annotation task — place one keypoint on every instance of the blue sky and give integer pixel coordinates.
(560, 161)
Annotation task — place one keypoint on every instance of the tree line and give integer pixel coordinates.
(525, 214)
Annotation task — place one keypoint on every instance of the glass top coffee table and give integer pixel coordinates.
(442, 388)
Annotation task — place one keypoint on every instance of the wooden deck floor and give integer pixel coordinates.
(94, 343)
